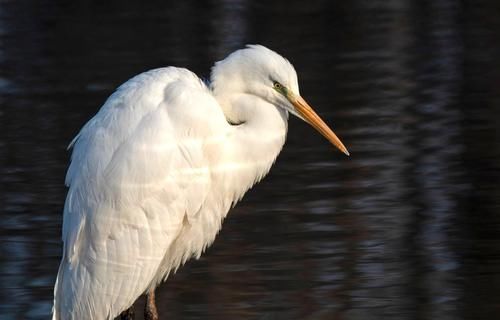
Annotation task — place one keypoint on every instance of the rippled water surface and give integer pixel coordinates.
(408, 227)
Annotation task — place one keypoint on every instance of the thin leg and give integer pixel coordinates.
(150, 312)
(127, 314)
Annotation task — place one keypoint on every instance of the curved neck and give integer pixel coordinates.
(260, 128)
(253, 144)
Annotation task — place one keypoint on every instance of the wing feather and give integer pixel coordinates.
(138, 170)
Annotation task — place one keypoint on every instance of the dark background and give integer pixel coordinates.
(405, 228)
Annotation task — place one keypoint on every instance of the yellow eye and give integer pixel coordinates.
(277, 85)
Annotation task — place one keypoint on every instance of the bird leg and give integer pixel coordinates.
(150, 311)
(127, 314)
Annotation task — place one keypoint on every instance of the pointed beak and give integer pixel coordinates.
(308, 114)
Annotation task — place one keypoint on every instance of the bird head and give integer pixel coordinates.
(262, 72)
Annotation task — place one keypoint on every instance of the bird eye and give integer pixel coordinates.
(277, 85)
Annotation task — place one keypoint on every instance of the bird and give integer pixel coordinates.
(157, 169)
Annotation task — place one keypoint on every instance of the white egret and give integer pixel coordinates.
(156, 170)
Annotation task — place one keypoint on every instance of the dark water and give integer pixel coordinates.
(408, 227)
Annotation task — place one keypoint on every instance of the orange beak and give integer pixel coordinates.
(305, 110)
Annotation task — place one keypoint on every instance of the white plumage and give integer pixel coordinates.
(156, 170)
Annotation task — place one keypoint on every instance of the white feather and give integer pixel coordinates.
(156, 170)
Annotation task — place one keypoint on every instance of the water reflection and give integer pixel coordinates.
(405, 228)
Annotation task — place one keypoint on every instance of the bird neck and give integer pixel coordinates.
(256, 138)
